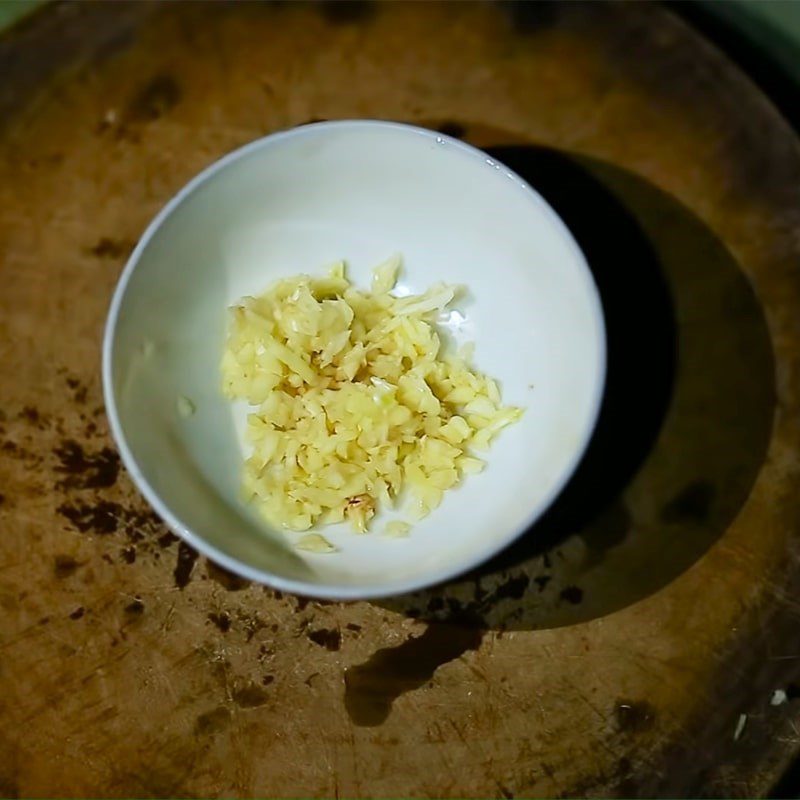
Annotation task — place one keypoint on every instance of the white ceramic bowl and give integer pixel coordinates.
(295, 202)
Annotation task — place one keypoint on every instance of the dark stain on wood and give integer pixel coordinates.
(33, 416)
(252, 624)
(250, 696)
(221, 620)
(634, 716)
(135, 608)
(166, 539)
(212, 721)
(101, 517)
(85, 470)
(302, 602)
(329, 638)
(513, 588)
(311, 679)
(226, 578)
(157, 97)
(183, 568)
(64, 566)
(105, 247)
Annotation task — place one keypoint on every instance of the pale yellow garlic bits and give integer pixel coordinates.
(354, 400)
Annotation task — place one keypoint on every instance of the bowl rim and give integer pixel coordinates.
(334, 591)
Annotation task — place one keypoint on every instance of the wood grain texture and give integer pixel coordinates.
(611, 652)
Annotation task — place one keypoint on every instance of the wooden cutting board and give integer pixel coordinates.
(631, 644)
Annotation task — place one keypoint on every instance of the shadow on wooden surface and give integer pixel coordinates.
(685, 422)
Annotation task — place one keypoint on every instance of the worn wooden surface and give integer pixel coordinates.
(614, 649)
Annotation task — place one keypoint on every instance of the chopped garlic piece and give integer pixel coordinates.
(315, 543)
(397, 529)
(352, 400)
(385, 275)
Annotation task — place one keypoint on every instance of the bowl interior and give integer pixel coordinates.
(296, 202)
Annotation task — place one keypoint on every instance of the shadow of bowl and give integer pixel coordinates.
(685, 422)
